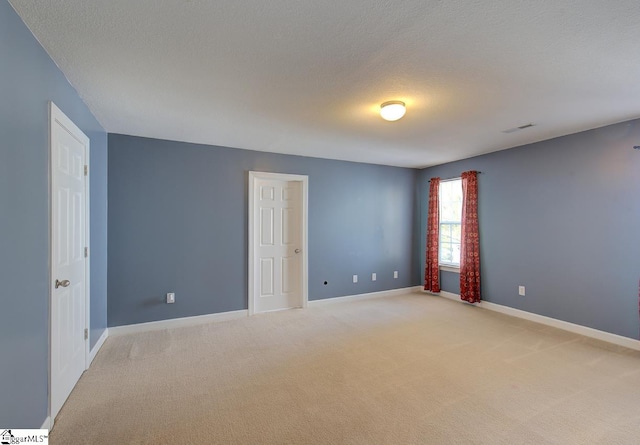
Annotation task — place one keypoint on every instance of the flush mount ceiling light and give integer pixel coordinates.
(392, 110)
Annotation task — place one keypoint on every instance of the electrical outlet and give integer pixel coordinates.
(171, 297)
(395, 274)
(521, 291)
(355, 278)
(373, 277)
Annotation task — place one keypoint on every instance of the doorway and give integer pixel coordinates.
(69, 262)
(278, 257)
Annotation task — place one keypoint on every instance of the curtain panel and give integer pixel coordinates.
(431, 269)
(470, 247)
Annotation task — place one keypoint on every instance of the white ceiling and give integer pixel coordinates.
(307, 76)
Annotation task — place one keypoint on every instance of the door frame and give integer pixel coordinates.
(56, 115)
(252, 256)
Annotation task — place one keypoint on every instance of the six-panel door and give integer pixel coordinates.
(278, 244)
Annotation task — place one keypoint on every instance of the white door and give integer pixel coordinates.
(279, 244)
(69, 151)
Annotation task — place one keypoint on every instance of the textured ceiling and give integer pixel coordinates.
(306, 77)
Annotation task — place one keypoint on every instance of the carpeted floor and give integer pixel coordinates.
(411, 369)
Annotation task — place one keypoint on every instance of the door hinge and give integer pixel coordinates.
(86, 252)
(86, 334)
(86, 170)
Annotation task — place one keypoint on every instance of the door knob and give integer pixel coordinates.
(63, 283)
(297, 250)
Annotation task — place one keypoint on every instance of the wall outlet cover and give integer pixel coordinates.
(355, 278)
(373, 277)
(171, 297)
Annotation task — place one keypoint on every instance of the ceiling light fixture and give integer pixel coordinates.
(392, 110)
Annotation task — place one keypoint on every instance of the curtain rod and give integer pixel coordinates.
(451, 178)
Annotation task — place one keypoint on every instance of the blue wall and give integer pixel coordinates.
(178, 223)
(28, 80)
(561, 217)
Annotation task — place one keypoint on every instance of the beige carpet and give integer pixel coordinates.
(412, 369)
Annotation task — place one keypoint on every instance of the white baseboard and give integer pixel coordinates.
(176, 323)
(46, 425)
(554, 322)
(384, 293)
(115, 331)
(97, 346)
(450, 296)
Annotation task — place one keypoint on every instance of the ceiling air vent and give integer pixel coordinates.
(521, 127)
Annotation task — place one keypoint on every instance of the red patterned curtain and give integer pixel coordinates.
(470, 247)
(431, 269)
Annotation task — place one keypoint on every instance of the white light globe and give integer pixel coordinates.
(392, 110)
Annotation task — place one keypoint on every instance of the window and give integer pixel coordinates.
(450, 222)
